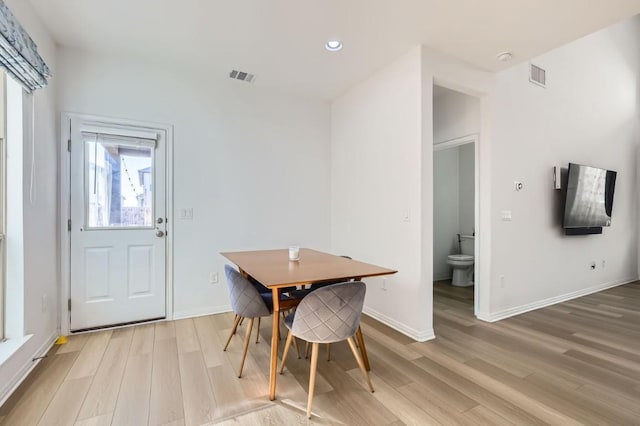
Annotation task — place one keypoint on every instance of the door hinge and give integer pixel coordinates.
(69, 304)
(69, 144)
(69, 225)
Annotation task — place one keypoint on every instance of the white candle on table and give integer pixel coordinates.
(294, 253)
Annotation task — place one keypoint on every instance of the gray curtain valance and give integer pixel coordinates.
(19, 54)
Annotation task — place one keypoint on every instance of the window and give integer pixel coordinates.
(3, 169)
(3, 205)
(13, 244)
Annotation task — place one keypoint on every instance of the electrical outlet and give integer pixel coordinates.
(45, 303)
(593, 265)
(384, 284)
(213, 278)
(501, 281)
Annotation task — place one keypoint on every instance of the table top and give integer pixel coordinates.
(272, 268)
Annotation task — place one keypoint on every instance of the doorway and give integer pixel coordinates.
(456, 125)
(118, 222)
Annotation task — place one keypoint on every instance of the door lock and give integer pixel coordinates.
(159, 233)
(159, 220)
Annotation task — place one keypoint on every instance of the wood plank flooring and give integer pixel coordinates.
(573, 363)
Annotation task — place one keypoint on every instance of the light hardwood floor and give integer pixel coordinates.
(573, 363)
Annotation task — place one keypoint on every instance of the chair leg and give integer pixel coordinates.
(363, 349)
(307, 348)
(258, 331)
(236, 321)
(247, 338)
(295, 343)
(356, 355)
(312, 376)
(287, 345)
(328, 351)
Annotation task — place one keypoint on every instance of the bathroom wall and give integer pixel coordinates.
(446, 208)
(466, 194)
(453, 203)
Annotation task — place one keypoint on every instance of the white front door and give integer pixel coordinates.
(118, 224)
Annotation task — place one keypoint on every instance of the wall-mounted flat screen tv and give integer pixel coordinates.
(589, 199)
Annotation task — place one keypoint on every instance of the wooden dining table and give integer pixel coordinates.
(274, 270)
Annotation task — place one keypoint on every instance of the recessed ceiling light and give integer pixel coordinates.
(504, 56)
(333, 45)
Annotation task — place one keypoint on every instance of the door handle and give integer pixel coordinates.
(159, 220)
(159, 233)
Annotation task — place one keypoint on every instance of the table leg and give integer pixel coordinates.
(274, 343)
(363, 349)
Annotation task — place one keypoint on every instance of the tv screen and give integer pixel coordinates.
(589, 197)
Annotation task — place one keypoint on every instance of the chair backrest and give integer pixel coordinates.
(330, 314)
(245, 299)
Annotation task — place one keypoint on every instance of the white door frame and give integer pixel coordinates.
(65, 210)
(473, 138)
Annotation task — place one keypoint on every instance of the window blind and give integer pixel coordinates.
(19, 54)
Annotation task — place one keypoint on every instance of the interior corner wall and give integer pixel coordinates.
(588, 114)
(40, 213)
(376, 145)
(252, 163)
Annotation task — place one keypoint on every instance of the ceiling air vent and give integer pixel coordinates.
(242, 76)
(537, 75)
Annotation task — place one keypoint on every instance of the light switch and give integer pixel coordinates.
(506, 215)
(186, 214)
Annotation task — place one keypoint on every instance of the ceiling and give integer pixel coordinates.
(282, 41)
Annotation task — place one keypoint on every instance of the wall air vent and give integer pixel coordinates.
(242, 76)
(537, 75)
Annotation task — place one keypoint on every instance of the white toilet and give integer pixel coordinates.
(462, 264)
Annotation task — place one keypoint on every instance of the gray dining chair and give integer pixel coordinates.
(327, 315)
(246, 302)
(299, 294)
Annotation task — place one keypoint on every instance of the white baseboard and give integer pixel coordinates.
(510, 312)
(200, 312)
(420, 336)
(28, 366)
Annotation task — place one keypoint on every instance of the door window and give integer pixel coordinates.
(119, 182)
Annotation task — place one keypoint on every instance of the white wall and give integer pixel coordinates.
(40, 225)
(588, 114)
(446, 209)
(376, 143)
(382, 172)
(253, 164)
(455, 115)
